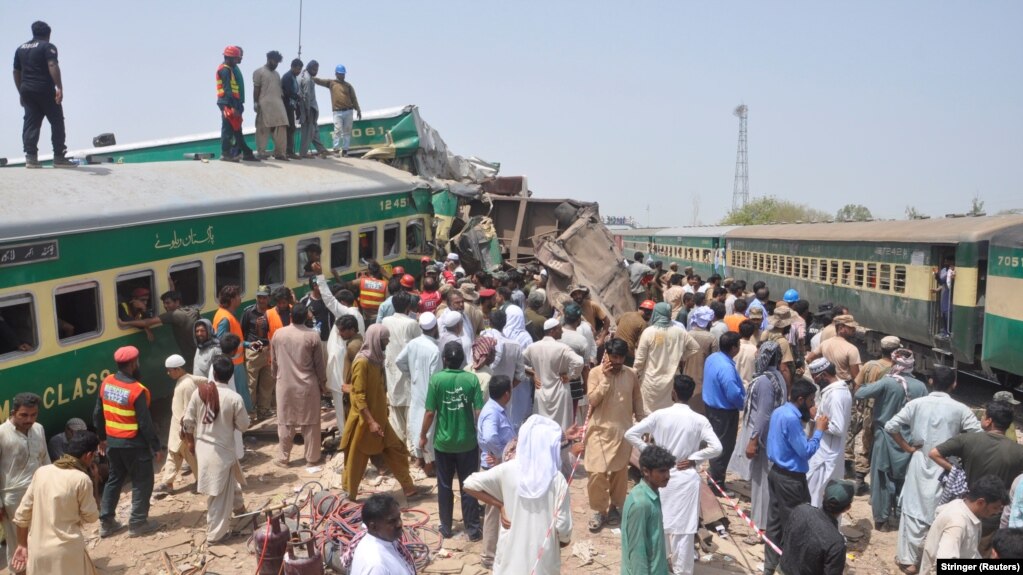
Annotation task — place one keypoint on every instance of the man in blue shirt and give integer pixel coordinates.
(723, 395)
(789, 452)
(493, 432)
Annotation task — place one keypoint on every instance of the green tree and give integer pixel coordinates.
(853, 213)
(913, 214)
(976, 206)
(771, 210)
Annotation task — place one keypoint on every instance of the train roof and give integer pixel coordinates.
(939, 230)
(635, 231)
(696, 231)
(61, 201)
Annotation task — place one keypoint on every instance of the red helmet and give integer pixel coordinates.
(408, 281)
(647, 305)
(233, 52)
(397, 271)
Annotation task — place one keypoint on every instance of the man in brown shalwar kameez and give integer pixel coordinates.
(301, 377)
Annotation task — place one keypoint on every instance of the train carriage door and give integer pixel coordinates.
(942, 286)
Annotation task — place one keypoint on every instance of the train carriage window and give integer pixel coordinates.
(858, 276)
(392, 241)
(309, 251)
(367, 243)
(900, 279)
(814, 269)
(872, 276)
(789, 266)
(340, 250)
(187, 279)
(833, 272)
(18, 332)
(271, 265)
(230, 270)
(776, 264)
(884, 280)
(135, 295)
(78, 311)
(846, 273)
(415, 237)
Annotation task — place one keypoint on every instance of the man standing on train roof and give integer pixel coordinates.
(343, 101)
(271, 117)
(309, 113)
(289, 87)
(22, 452)
(129, 440)
(231, 101)
(37, 79)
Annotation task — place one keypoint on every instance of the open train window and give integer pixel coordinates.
(392, 241)
(230, 270)
(872, 276)
(833, 271)
(858, 276)
(884, 279)
(135, 295)
(815, 270)
(340, 250)
(415, 237)
(271, 265)
(797, 267)
(187, 278)
(78, 313)
(309, 251)
(900, 279)
(776, 264)
(18, 332)
(846, 273)
(367, 243)
(789, 266)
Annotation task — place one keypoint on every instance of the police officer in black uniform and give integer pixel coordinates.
(37, 77)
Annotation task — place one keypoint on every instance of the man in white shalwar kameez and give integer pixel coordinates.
(552, 362)
(335, 306)
(342, 346)
(931, 420)
(508, 362)
(530, 493)
(215, 413)
(680, 430)
(418, 361)
(835, 402)
(661, 350)
(403, 329)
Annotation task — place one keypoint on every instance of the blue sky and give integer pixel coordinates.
(886, 104)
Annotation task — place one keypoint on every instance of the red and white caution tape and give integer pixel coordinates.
(735, 505)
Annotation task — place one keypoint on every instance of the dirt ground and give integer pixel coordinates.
(183, 535)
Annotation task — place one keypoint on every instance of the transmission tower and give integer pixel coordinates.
(740, 191)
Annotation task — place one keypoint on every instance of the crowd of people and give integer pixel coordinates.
(489, 378)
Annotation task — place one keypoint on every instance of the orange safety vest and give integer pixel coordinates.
(118, 399)
(236, 92)
(235, 327)
(372, 293)
(273, 321)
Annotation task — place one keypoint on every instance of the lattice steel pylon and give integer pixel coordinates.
(740, 191)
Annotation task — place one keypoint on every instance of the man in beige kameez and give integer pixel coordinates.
(551, 363)
(22, 452)
(301, 380)
(177, 451)
(615, 398)
(214, 414)
(58, 503)
(662, 349)
(402, 329)
(271, 116)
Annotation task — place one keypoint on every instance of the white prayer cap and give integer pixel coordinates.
(174, 361)
(427, 320)
(450, 318)
(551, 324)
(453, 257)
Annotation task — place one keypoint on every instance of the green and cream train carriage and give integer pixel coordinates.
(884, 272)
(75, 243)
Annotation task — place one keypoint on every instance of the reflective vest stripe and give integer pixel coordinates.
(371, 294)
(234, 327)
(119, 411)
(118, 399)
(235, 90)
(124, 426)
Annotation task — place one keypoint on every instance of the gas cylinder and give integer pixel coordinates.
(310, 562)
(275, 537)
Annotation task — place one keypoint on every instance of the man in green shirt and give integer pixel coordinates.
(643, 547)
(454, 399)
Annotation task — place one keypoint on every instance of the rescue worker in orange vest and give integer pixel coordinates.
(280, 314)
(230, 100)
(372, 291)
(128, 439)
(224, 322)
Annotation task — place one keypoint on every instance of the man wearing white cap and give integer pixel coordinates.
(551, 363)
(177, 451)
(836, 404)
(403, 329)
(58, 443)
(453, 328)
(452, 267)
(418, 361)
